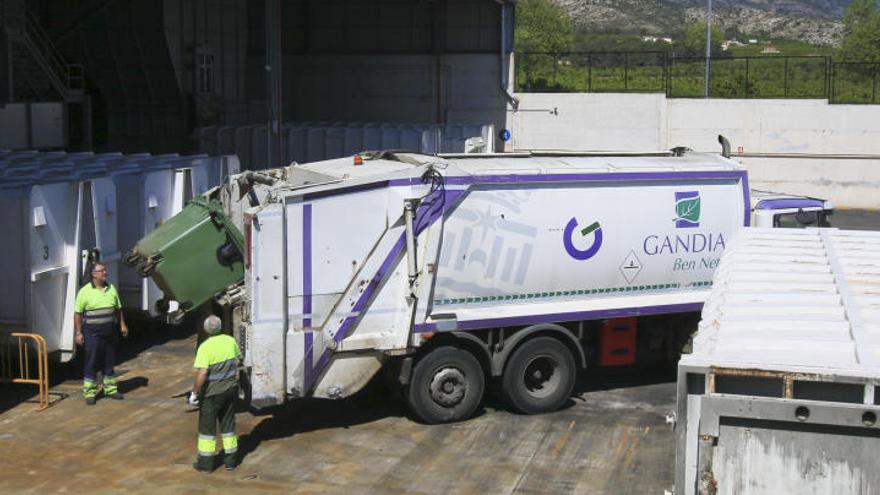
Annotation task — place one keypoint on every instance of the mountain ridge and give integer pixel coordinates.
(814, 21)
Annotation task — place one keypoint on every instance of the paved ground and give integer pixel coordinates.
(611, 438)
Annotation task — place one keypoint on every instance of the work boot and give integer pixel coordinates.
(116, 396)
(90, 401)
(230, 461)
(204, 464)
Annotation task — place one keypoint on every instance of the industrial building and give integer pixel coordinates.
(144, 76)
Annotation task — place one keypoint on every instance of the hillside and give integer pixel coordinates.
(813, 21)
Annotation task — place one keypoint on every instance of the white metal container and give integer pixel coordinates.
(780, 394)
(56, 205)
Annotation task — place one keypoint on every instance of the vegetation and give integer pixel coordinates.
(861, 32)
(693, 43)
(551, 57)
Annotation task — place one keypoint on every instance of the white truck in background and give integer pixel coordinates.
(448, 271)
(775, 210)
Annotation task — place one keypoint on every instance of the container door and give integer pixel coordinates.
(104, 218)
(204, 175)
(160, 197)
(129, 226)
(53, 261)
(14, 263)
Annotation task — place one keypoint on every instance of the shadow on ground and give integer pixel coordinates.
(376, 402)
(305, 415)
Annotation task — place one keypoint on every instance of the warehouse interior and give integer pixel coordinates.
(144, 76)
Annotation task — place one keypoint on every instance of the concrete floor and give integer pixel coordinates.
(611, 438)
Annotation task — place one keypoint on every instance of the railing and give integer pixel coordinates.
(58, 66)
(16, 362)
(20, 21)
(684, 77)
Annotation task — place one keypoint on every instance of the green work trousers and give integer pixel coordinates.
(214, 410)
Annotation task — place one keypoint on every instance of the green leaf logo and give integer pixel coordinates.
(687, 209)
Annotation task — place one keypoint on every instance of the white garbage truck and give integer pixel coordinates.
(455, 270)
(452, 271)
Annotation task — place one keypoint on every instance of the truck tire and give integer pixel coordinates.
(539, 376)
(446, 386)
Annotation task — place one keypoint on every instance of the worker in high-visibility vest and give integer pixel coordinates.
(98, 321)
(215, 391)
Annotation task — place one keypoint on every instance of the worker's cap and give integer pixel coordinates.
(212, 324)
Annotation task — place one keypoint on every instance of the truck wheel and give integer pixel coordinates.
(539, 376)
(446, 386)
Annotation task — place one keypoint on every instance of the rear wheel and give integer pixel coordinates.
(446, 386)
(539, 376)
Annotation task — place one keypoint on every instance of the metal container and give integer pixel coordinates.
(780, 393)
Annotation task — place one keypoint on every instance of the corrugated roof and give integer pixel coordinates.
(795, 300)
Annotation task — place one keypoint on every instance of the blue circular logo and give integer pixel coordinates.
(504, 135)
(582, 254)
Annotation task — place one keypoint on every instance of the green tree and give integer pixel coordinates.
(542, 26)
(861, 31)
(693, 43)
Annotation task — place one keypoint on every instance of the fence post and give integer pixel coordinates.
(746, 83)
(626, 71)
(785, 83)
(832, 82)
(590, 72)
(874, 85)
(827, 78)
(666, 73)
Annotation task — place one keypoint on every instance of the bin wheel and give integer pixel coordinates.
(145, 269)
(539, 376)
(446, 386)
(132, 258)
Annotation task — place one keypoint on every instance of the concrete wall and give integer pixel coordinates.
(26, 126)
(812, 128)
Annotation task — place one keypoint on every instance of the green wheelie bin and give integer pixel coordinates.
(193, 256)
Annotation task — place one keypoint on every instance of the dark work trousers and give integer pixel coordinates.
(214, 410)
(100, 356)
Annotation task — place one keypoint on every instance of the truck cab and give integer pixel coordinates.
(778, 210)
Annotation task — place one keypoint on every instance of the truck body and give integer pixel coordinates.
(780, 393)
(381, 261)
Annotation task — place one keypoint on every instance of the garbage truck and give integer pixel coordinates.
(451, 272)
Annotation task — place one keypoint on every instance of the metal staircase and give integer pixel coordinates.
(39, 70)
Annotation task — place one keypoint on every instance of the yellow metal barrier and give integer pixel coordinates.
(15, 362)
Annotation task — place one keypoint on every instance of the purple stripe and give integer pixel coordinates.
(308, 371)
(307, 266)
(428, 213)
(515, 321)
(778, 204)
(747, 200)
